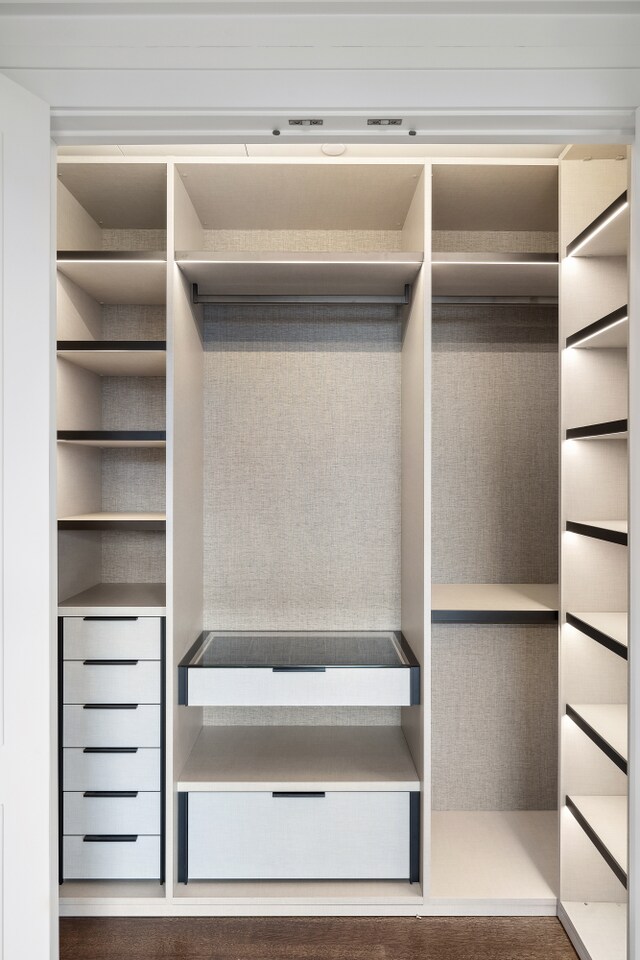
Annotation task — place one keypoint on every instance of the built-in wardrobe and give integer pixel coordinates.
(342, 487)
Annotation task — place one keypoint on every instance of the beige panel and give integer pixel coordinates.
(79, 561)
(590, 289)
(79, 398)
(77, 230)
(594, 574)
(133, 479)
(133, 557)
(595, 386)
(79, 480)
(121, 195)
(494, 467)
(595, 478)
(133, 403)
(133, 322)
(586, 189)
(591, 673)
(585, 768)
(134, 239)
(78, 314)
(494, 723)
(301, 197)
(585, 875)
(494, 241)
(413, 236)
(302, 470)
(303, 240)
(495, 197)
(188, 232)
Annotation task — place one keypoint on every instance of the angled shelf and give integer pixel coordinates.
(612, 531)
(608, 333)
(114, 438)
(604, 820)
(117, 277)
(227, 277)
(609, 430)
(114, 521)
(606, 725)
(494, 603)
(495, 274)
(608, 629)
(607, 235)
(299, 758)
(127, 599)
(601, 927)
(116, 358)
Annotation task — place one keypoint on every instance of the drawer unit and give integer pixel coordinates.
(111, 725)
(298, 836)
(118, 638)
(105, 681)
(305, 669)
(101, 768)
(126, 811)
(104, 857)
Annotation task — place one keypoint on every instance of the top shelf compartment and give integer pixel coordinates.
(118, 206)
(607, 235)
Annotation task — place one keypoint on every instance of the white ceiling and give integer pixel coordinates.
(532, 151)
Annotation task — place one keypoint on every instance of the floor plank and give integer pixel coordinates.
(315, 938)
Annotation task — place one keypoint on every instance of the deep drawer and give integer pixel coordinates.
(129, 682)
(136, 859)
(139, 814)
(267, 836)
(139, 770)
(115, 725)
(116, 638)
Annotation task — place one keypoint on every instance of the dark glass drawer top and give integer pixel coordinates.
(335, 649)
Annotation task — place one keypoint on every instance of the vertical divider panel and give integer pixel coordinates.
(185, 364)
(416, 513)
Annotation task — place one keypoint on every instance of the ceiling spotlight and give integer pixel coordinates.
(333, 149)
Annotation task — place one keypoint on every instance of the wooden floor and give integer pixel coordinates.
(315, 938)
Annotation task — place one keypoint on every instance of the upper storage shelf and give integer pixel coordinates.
(607, 235)
(116, 358)
(495, 274)
(117, 276)
(494, 603)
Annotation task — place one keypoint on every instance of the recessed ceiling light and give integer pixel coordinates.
(333, 149)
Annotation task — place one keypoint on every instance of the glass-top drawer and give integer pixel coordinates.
(300, 669)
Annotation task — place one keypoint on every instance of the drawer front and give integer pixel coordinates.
(99, 726)
(93, 814)
(129, 860)
(111, 771)
(263, 686)
(265, 837)
(112, 683)
(132, 639)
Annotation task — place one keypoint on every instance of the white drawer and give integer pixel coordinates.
(99, 725)
(138, 859)
(139, 814)
(111, 771)
(129, 682)
(118, 639)
(266, 686)
(264, 836)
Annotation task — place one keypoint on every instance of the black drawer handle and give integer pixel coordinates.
(110, 793)
(301, 793)
(110, 706)
(110, 750)
(110, 663)
(299, 669)
(110, 838)
(107, 619)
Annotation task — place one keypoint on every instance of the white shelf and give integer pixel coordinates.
(600, 927)
(610, 332)
(300, 274)
(129, 599)
(608, 723)
(120, 362)
(110, 521)
(311, 892)
(118, 444)
(455, 602)
(494, 274)
(244, 758)
(607, 235)
(612, 531)
(118, 281)
(494, 856)
(72, 891)
(606, 820)
(611, 629)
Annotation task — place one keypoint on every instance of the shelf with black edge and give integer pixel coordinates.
(111, 276)
(607, 235)
(604, 820)
(515, 603)
(611, 531)
(609, 430)
(123, 599)
(499, 275)
(114, 438)
(606, 725)
(608, 333)
(608, 629)
(114, 521)
(297, 277)
(116, 358)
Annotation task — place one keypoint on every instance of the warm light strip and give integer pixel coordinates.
(597, 230)
(91, 261)
(597, 333)
(289, 263)
(496, 263)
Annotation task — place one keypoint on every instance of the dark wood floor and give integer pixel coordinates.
(315, 938)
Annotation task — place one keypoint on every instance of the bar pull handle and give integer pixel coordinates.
(110, 750)
(299, 669)
(110, 838)
(310, 794)
(110, 706)
(110, 663)
(106, 619)
(91, 794)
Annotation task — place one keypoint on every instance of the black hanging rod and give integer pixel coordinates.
(496, 299)
(259, 298)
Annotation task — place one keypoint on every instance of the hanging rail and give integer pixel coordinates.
(261, 298)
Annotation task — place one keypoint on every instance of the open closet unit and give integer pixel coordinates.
(335, 444)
